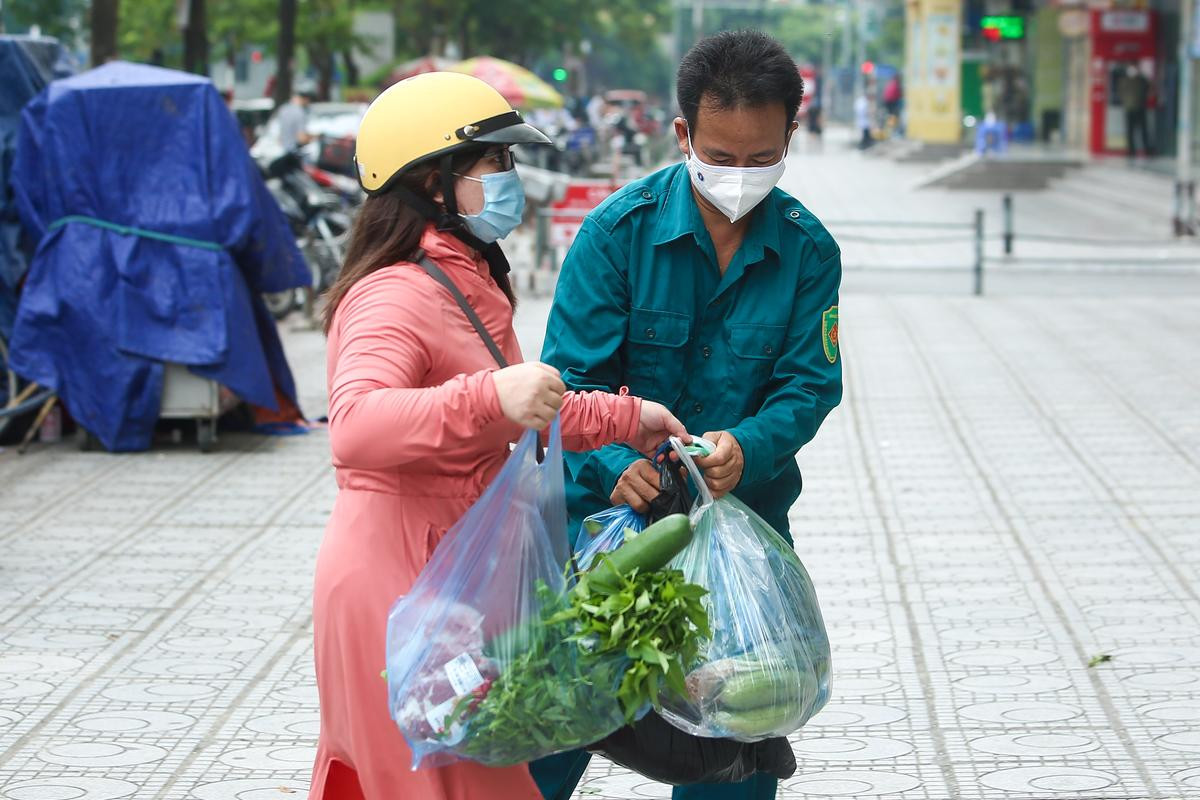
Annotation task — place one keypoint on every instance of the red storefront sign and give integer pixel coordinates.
(582, 196)
(1120, 37)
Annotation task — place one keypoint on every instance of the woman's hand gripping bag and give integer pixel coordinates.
(477, 666)
(765, 671)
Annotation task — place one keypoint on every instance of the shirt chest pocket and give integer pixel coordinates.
(755, 350)
(654, 357)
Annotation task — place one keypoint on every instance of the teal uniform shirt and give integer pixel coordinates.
(641, 302)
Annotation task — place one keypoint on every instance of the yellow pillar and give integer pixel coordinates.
(934, 70)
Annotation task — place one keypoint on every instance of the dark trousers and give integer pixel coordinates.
(558, 775)
(1135, 125)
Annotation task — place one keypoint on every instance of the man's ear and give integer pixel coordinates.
(681, 134)
(787, 140)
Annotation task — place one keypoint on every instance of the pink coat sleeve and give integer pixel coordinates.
(378, 418)
(591, 420)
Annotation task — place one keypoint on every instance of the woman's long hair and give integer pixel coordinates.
(387, 232)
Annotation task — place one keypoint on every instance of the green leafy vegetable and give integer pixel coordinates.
(596, 656)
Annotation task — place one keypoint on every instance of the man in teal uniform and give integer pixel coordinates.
(705, 287)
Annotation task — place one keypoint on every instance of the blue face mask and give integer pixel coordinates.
(503, 205)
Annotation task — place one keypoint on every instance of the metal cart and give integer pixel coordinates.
(186, 396)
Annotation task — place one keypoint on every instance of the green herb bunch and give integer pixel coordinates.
(596, 656)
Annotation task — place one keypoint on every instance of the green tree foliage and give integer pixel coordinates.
(65, 20)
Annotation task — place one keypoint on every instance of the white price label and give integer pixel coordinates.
(437, 716)
(463, 675)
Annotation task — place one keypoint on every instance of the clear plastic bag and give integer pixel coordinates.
(605, 532)
(765, 671)
(476, 667)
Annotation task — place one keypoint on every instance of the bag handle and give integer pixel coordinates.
(685, 458)
(436, 272)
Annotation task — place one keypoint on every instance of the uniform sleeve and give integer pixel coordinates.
(806, 383)
(378, 418)
(587, 327)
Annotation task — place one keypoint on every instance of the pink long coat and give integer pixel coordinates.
(417, 434)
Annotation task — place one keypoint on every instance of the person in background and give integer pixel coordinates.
(862, 120)
(1134, 91)
(812, 109)
(893, 96)
(292, 118)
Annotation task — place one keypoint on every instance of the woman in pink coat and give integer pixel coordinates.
(420, 415)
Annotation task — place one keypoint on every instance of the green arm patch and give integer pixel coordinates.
(829, 333)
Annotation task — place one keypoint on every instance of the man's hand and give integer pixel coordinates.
(722, 469)
(637, 486)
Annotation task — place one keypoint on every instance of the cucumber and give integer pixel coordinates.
(766, 721)
(650, 550)
(766, 684)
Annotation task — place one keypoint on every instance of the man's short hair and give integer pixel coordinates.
(738, 69)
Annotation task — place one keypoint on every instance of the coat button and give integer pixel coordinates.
(649, 333)
(646, 195)
(707, 352)
(698, 408)
(768, 349)
(794, 215)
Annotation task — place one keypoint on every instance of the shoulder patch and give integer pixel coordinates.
(802, 218)
(829, 334)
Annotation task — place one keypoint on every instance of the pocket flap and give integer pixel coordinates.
(748, 340)
(662, 328)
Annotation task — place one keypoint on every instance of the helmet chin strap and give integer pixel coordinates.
(448, 220)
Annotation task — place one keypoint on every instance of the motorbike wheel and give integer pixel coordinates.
(280, 304)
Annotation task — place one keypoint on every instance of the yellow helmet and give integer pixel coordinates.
(430, 116)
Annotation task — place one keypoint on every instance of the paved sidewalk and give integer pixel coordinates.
(1011, 488)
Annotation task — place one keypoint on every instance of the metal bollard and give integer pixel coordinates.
(1008, 224)
(978, 251)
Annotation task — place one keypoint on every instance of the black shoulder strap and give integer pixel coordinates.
(441, 277)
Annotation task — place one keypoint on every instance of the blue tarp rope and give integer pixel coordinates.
(130, 231)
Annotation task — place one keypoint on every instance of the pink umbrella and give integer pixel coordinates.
(416, 66)
(518, 85)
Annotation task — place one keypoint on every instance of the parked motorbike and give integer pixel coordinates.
(320, 220)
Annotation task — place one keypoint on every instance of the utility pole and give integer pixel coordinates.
(286, 51)
(105, 16)
(847, 52)
(827, 69)
(1185, 185)
(860, 47)
(195, 38)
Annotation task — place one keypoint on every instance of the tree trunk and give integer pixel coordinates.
(287, 50)
(322, 58)
(351, 67)
(195, 39)
(105, 14)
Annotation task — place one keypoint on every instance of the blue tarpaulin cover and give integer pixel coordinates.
(156, 238)
(27, 65)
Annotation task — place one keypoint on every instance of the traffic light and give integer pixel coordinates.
(560, 75)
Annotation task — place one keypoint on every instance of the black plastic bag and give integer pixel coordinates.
(674, 497)
(656, 749)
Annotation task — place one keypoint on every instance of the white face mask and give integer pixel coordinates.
(735, 191)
